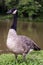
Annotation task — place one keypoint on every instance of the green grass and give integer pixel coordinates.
(34, 58)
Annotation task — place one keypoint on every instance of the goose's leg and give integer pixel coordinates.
(15, 56)
(24, 57)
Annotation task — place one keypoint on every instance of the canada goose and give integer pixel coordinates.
(18, 44)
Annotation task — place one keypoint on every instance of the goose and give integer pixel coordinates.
(18, 44)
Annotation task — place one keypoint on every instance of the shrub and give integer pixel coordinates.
(29, 7)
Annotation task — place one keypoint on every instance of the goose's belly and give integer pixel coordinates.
(14, 46)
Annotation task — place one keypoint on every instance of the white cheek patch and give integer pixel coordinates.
(14, 12)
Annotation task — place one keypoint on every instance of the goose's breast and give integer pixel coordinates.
(15, 45)
(11, 43)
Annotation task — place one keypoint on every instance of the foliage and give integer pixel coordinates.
(3, 7)
(26, 8)
(30, 7)
(10, 3)
(41, 9)
(7, 4)
(34, 58)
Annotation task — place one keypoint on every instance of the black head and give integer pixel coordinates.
(12, 11)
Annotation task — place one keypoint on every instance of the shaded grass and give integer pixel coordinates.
(34, 58)
(4, 17)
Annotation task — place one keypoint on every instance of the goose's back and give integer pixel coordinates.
(26, 40)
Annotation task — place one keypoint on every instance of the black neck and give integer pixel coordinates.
(14, 25)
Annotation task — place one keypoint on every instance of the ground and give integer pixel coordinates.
(34, 58)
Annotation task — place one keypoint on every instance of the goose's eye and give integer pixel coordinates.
(14, 12)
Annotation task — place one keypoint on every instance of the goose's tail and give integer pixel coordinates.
(36, 47)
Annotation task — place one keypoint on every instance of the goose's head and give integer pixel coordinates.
(12, 11)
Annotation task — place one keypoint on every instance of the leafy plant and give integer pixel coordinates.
(30, 7)
(34, 58)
